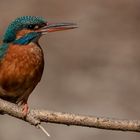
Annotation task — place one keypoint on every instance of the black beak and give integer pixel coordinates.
(53, 27)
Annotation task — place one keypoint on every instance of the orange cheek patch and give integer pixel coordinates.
(22, 33)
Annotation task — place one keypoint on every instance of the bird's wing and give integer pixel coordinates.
(3, 49)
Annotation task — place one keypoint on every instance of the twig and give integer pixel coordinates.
(43, 129)
(35, 117)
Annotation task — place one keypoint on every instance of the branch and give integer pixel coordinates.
(35, 117)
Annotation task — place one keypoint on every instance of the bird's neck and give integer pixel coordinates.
(28, 38)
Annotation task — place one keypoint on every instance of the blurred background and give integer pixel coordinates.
(92, 70)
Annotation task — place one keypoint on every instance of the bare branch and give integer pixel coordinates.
(35, 117)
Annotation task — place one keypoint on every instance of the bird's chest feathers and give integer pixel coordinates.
(22, 61)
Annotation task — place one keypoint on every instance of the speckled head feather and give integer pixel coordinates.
(21, 23)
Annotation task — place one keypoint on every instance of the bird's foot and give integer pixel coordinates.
(25, 109)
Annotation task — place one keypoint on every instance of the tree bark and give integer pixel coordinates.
(35, 117)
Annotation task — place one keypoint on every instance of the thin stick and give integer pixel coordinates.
(43, 129)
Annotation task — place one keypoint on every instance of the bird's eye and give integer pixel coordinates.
(31, 26)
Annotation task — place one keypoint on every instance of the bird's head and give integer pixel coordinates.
(26, 29)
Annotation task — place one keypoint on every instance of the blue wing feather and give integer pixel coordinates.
(3, 49)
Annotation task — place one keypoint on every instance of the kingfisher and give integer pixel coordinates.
(22, 58)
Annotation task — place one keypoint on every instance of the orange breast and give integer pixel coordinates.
(20, 69)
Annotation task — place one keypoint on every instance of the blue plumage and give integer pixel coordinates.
(3, 49)
(21, 23)
(30, 37)
(17, 25)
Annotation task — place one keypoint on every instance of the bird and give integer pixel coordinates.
(22, 58)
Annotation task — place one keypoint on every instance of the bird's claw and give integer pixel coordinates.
(25, 109)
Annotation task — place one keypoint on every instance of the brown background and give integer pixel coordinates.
(93, 70)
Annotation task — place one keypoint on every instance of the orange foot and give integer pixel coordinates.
(25, 109)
